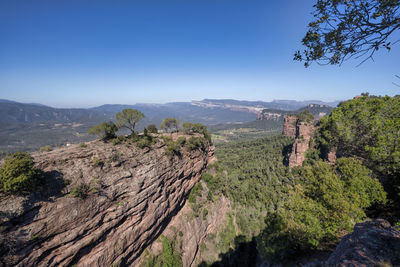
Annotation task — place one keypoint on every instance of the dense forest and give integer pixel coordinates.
(280, 213)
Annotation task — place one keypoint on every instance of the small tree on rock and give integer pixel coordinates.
(18, 174)
(152, 128)
(105, 130)
(170, 125)
(128, 119)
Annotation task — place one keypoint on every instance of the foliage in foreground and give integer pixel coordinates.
(290, 211)
(18, 174)
(326, 200)
(368, 128)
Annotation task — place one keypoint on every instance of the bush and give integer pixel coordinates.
(194, 193)
(18, 174)
(144, 141)
(190, 128)
(46, 148)
(83, 145)
(194, 143)
(105, 130)
(96, 162)
(181, 141)
(305, 116)
(81, 190)
(170, 125)
(152, 128)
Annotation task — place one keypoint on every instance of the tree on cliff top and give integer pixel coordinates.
(344, 29)
(128, 118)
(170, 125)
(105, 130)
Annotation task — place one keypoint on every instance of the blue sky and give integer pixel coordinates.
(87, 53)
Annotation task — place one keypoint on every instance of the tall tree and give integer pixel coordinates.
(349, 28)
(128, 118)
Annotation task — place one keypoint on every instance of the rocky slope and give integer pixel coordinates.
(372, 243)
(102, 205)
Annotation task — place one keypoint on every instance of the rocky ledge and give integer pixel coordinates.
(102, 204)
(372, 243)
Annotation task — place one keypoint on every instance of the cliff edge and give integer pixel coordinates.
(101, 205)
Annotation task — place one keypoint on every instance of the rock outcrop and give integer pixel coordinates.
(372, 243)
(289, 125)
(102, 205)
(304, 132)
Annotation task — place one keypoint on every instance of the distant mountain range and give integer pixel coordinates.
(27, 126)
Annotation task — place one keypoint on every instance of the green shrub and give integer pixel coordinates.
(195, 192)
(144, 141)
(152, 129)
(105, 130)
(190, 128)
(205, 213)
(170, 255)
(305, 116)
(96, 162)
(46, 148)
(194, 143)
(82, 191)
(18, 174)
(118, 140)
(181, 141)
(83, 145)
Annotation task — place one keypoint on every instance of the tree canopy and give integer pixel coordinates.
(343, 29)
(128, 118)
(18, 173)
(170, 125)
(105, 130)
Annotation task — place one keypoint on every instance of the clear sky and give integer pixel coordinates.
(79, 53)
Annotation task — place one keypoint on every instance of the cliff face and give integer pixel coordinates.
(303, 132)
(128, 196)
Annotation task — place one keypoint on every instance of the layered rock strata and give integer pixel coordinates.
(102, 205)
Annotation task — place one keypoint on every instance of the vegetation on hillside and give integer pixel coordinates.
(18, 174)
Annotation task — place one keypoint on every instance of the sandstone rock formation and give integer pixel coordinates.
(289, 125)
(373, 243)
(128, 197)
(304, 132)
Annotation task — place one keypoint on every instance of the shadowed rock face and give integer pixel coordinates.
(372, 243)
(130, 195)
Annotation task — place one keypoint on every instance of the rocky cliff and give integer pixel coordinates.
(372, 243)
(303, 131)
(289, 125)
(102, 205)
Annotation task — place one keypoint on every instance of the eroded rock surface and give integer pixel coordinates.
(130, 196)
(372, 243)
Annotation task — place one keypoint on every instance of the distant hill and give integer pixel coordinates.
(13, 112)
(30, 126)
(318, 110)
(289, 105)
